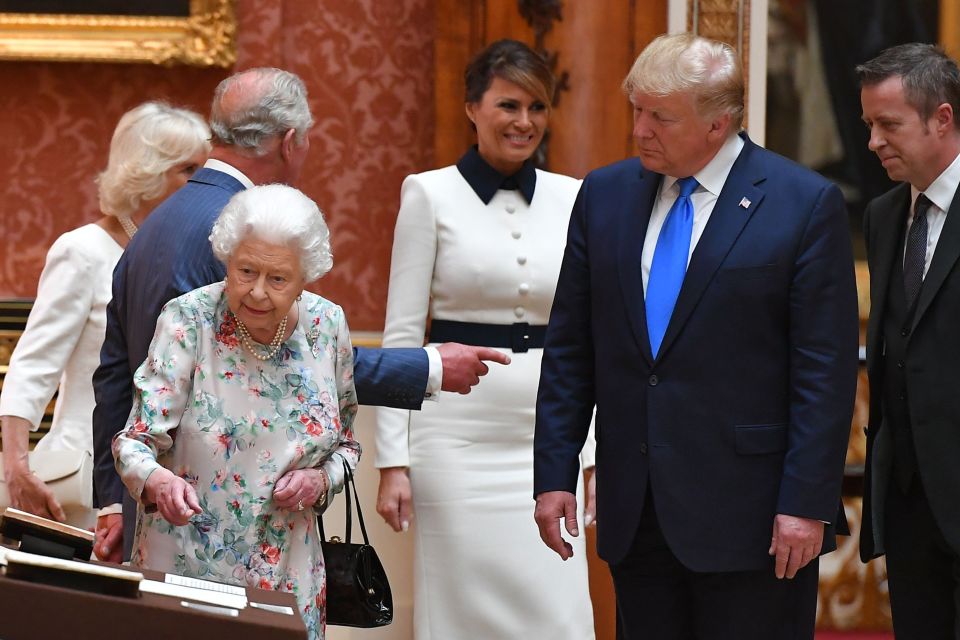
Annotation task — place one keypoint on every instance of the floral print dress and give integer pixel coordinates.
(231, 426)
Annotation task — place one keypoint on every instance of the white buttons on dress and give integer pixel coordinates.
(510, 208)
(516, 235)
(519, 312)
(521, 259)
(524, 288)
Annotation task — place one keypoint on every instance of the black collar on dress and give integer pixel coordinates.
(485, 180)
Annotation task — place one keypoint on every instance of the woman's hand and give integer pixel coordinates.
(175, 498)
(27, 491)
(300, 488)
(394, 497)
(590, 509)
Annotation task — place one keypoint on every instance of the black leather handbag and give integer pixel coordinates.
(358, 593)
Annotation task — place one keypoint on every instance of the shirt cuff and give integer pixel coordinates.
(435, 377)
(110, 509)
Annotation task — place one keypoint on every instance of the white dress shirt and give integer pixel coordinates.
(704, 198)
(940, 192)
(230, 170)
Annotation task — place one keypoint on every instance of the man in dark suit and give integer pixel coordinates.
(707, 307)
(259, 119)
(911, 507)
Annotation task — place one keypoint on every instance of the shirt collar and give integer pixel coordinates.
(714, 174)
(941, 190)
(486, 181)
(230, 170)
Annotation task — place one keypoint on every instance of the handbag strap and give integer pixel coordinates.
(348, 483)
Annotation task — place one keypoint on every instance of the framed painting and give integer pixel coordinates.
(166, 32)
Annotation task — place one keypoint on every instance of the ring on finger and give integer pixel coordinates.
(300, 505)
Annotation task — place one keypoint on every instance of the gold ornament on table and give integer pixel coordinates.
(249, 343)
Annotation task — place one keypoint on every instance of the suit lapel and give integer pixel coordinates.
(885, 242)
(637, 206)
(945, 256)
(726, 222)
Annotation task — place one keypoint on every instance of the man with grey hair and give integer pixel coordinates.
(260, 121)
(707, 307)
(911, 98)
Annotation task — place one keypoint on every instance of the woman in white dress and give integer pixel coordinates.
(478, 247)
(154, 150)
(243, 409)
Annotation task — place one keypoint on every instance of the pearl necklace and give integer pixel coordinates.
(249, 343)
(128, 225)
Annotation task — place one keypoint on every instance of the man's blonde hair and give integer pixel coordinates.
(683, 62)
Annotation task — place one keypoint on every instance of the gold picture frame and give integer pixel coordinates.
(204, 39)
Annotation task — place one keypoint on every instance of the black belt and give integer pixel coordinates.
(519, 336)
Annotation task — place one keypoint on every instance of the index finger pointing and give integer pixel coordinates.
(488, 353)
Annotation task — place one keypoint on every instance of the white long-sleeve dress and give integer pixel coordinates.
(61, 344)
(481, 570)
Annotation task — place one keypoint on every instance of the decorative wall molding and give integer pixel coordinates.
(541, 15)
(852, 595)
(727, 21)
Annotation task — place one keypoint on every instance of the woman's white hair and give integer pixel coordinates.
(148, 141)
(683, 62)
(280, 215)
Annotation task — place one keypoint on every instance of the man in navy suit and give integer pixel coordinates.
(707, 307)
(260, 119)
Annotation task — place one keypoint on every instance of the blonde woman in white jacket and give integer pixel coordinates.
(154, 150)
(477, 248)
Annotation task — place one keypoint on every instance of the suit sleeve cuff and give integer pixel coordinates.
(111, 509)
(435, 376)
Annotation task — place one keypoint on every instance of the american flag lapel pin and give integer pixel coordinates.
(744, 203)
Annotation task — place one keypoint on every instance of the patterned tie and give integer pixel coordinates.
(669, 263)
(915, 254)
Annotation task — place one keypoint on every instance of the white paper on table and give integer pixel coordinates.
(197, 583)
(192, 593)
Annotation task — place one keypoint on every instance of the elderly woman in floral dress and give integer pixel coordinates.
(243, 412)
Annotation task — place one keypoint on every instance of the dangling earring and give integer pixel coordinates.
(299, 297)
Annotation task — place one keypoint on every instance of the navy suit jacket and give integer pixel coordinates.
(169, 256)
(746, 411)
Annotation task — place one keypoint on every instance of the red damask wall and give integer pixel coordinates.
(368, 65)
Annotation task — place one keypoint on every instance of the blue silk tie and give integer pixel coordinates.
(669, 263)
